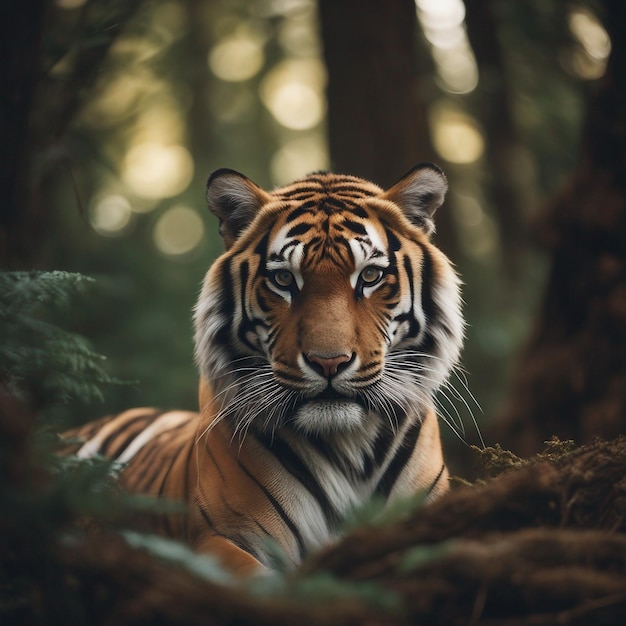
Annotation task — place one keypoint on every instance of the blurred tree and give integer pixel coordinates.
(377, 125)
(376, 122)
(571, 378)
(506, 186)
(45, 75)
(20, 24)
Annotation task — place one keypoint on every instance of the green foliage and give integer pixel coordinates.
(378, 513)
(44, 498)
(422, 555)
(178, 554)
(40, 362)
(324, 587)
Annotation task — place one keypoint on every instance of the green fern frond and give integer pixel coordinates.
(39, 361)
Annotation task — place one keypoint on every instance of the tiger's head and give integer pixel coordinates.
(331, 306)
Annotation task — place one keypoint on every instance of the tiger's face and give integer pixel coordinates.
(331, 308)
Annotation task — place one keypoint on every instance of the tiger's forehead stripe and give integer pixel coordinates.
(340, 231)
(328, 184)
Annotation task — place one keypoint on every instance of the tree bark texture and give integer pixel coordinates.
(571, 378)
(377, 124)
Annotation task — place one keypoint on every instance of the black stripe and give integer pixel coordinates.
(214, 461)
(173, 460)
(414, 325)
(279, 509)
(354, 189)
(298, 469)
(247, 325)
(262, 302)
(434, 483)
(342, 241)
(358, 211)
(303, 209)
(355, 227)
(393, 243)
(383, 441)
(301, 191)
(403, 454)
(145, 470)
(283, 250)
(288, 377)
(335, 458)
(371, 365)
(367, 377)
(332, 205)
(431, 310)
(236, 540)
(208, 520)
(299, 229)
(261, 247)
(130, 436)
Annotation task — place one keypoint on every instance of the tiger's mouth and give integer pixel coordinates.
(329, 394)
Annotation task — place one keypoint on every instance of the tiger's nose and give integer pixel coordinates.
(328, 365)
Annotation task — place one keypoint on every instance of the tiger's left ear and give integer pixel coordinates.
(419, 193)
(235, 200)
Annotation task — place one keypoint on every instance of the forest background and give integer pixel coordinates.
(113, 114)
(117, 111)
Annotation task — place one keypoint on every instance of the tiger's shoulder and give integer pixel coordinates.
(133, 435)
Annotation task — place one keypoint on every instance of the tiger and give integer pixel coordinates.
(322, 334)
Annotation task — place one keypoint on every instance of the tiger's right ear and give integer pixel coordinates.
(419, 193)
(235, 200)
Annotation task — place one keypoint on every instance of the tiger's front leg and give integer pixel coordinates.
(232, 558)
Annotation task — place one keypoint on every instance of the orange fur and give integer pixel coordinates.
(322, 334)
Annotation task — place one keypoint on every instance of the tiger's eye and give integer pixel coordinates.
(371, 275)
(283, 278)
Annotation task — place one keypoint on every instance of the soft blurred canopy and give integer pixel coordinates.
(186, 86)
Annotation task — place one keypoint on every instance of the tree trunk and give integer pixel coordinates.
(571, 378)
(509, 190)
(21, 28)
(38, 108)
(377, 123)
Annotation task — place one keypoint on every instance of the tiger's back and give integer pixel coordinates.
(322, 334)
(154, 447)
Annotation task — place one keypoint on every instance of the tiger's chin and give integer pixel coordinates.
(322, 417)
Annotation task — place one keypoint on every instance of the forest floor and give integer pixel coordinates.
(539, 541)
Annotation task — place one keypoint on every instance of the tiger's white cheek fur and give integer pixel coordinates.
(209, 321)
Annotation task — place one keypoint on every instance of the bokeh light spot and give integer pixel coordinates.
(589, 60)
(236, 58)
(178, 231)
(441, 14)
(297, 158)
(590, 33)
(154, 170)
(443, 25)
(110, 215)
(456, 135)
(292, 92)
